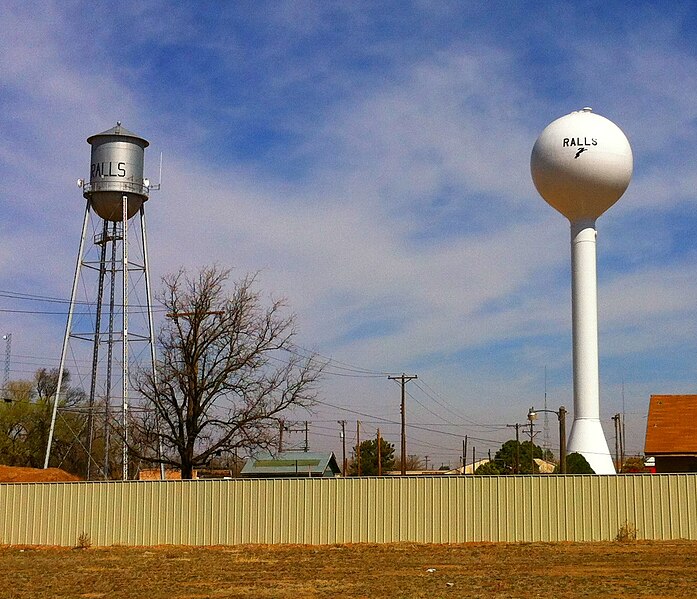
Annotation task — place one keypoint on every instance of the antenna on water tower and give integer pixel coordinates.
(115, 194)
(581, 165)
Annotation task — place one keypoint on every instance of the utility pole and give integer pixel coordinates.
(623, 422)
(343, 443)
(426, 458)
(307, 441)
(8, 353)
(358, 447)
(281, 428)
(562, 439)
(532, 446)
(404, 379)
(621, 431)
(545, 436)
(616, 422)
(473, 458)
(379, 455)
(464, 456)
(516, 426)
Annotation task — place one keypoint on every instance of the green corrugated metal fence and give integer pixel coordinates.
(365, 510)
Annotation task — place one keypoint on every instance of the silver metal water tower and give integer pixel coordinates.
(115, 194)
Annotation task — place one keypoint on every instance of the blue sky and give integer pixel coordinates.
(371, 161)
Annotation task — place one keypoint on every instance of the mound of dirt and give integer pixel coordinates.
(13, 474)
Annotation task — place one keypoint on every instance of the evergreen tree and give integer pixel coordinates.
(369, 458)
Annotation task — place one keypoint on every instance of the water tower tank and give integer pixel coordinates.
(116, 170)
(581, 164)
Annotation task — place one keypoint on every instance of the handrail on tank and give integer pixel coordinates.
(125, 186)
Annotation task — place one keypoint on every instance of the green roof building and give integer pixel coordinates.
(292, 464)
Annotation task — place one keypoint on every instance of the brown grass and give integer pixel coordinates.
(560, 570)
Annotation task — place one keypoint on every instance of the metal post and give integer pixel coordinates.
(68, 324)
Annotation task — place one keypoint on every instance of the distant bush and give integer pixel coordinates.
(626, 533)
(83, 541)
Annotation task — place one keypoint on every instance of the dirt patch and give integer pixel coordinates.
(13, 474)
(553, 570)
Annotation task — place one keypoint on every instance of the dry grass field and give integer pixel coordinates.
(620, 570)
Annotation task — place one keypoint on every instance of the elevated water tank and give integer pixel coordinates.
(116, 170)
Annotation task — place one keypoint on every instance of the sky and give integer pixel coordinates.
(370, 161)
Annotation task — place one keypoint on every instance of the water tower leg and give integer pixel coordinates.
(66, 337)
(587, 436)
(151, 329)
(124, 339)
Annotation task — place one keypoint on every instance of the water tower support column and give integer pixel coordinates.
(124, 403)
(587, 435)
(66, 337)
(151, 327)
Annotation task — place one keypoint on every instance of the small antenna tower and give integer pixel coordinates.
(545, 434)
(624, 420)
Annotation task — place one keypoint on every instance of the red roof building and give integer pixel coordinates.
(671, 432)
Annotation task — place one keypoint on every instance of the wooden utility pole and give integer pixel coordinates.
(616, 422)
(358, 447)
(532, 446)
(474, 452)
(621, 431)
(379, 452)
(343, 444)
(562, 439)
(516, 466)
(404, 379)
(464, 456)
(307, 437)
(281, 428)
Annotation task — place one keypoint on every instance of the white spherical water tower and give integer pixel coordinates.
(115, 194)
(581, 165)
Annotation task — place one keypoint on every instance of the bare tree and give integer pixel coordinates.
(226, 371)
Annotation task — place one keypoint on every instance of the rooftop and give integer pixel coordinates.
(672, 425)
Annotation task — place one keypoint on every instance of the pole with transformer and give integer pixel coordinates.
(404, 379)
(343, 445)
(516, 426)
(561, 415)
(464, 456)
